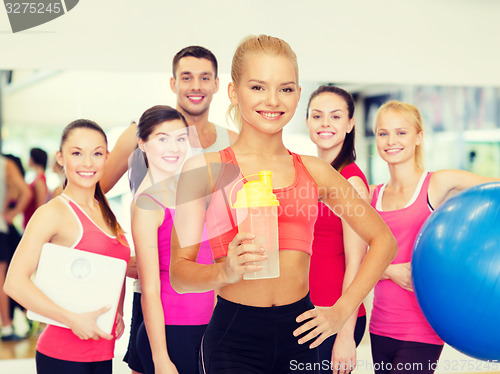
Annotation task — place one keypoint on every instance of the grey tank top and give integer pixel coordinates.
(221, 142)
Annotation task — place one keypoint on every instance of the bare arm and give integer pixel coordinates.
(344, 348)
(120, 325)
(145, 224)
(132, 268)
(43, 226)
(400, 274)
(446, 183)
(118, 159)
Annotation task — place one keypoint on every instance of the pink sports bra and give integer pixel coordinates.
(297, 211)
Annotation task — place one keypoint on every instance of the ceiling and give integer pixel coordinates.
(364, 41)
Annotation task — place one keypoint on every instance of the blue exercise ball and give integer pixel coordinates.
(456, 271)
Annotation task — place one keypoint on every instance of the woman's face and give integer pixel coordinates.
(268, 92)
(328, 120)
(396, 138)
(83, 156)
(166, 147)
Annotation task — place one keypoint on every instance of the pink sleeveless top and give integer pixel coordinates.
(326, 275)
(188, 308)
(396, 313)
(61, 343)
(297, 211)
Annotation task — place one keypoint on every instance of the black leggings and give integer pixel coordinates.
(325, 349)
(399, 356)
(49, 365)
(183, 346)
(245, 339)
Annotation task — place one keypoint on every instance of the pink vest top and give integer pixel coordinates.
(396, 313)
(61, 343)
(326, 274)
(188, 308)
(297, 211)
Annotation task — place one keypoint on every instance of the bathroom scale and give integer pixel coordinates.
(80, 281)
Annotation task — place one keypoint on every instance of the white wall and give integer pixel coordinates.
(382, 41)
(115, 55)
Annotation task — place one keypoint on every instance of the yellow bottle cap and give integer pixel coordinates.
(257, 193)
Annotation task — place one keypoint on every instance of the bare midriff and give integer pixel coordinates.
(291, 286)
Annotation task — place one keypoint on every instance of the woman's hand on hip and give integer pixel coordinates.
(319, 324)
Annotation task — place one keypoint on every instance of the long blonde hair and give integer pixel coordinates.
(412, 115)
(265, 44)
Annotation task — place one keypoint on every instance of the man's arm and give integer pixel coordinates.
(118, 159)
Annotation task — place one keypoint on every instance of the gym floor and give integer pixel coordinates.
(18, 357)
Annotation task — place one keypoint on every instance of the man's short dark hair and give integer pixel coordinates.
(197, 52)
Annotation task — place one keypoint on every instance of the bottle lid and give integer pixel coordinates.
(257, 193)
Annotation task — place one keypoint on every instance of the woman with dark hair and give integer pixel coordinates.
(337, 250)
(79, 218)
(38, 162)
(169, 338)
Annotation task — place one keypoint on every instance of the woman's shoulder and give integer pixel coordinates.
(51, 214)
(444, 180)
(314, 162)
(58, 205)
(147, 210)
(445, 174)
(149, 200)
(321, 171)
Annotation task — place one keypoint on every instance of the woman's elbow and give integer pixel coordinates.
(385, 244)
(9, 287)
(177, 286)
(392, 246)
(175, 279)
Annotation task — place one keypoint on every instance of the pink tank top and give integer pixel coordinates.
(297, 211)
(188, 308)
(61, 343)
(327, 270)
(396, 313)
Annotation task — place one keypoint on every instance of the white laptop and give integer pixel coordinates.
(80, 281)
